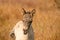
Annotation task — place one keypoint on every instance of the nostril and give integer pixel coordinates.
(25, 32)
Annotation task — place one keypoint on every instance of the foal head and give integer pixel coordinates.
(27, 19)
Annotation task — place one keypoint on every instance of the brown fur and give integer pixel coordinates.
(27, 19)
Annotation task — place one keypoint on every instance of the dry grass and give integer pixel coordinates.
(46, 22)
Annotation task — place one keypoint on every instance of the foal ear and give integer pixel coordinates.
(24, 12)
(33, 12)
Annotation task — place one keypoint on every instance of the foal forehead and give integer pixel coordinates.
(28, 14)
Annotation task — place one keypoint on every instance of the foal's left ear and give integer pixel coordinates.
(33, 12)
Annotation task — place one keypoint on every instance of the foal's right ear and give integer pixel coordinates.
(33, 12)
(23, 10)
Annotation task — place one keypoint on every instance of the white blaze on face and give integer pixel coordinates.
(19, 33)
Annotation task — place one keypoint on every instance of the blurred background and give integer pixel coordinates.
(46, 21)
